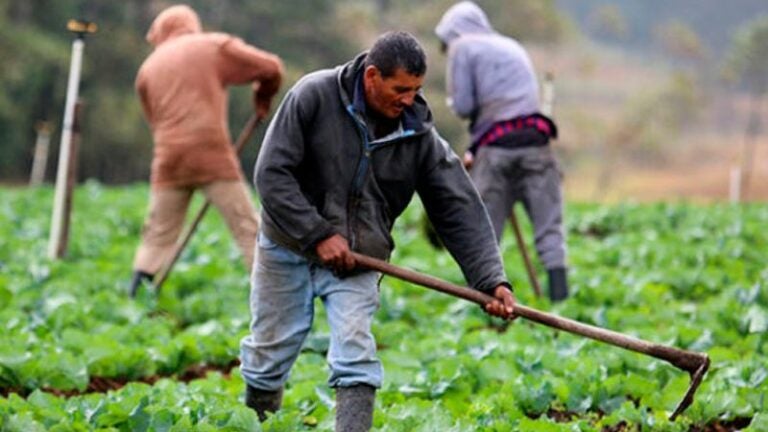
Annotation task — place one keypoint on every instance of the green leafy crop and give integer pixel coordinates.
(690, 276)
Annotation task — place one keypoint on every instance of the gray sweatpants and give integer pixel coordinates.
(504, 176)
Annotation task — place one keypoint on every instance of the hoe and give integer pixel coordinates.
(524, 253)
(695, 363)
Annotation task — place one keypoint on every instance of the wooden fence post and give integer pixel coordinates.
(40, 159)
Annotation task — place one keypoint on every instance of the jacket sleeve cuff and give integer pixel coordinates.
(321, 232)
(490, 288)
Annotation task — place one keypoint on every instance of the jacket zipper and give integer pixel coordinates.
(362, 168)
(357, 181)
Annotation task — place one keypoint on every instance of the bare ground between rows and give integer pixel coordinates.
(104, 384)
(732, 425)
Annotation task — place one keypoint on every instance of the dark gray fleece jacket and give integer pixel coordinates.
(319, 173)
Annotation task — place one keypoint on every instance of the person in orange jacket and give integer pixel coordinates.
(182, 86)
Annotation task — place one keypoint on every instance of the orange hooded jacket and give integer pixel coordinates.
(183, 90)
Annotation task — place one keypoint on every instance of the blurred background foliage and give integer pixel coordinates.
(632, 75)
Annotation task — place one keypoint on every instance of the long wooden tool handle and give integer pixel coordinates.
(242, 139)
(524, 252)
(686, 360)
(246, 133)
(160, 278)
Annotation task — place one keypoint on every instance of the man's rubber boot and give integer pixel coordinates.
(558, 284)
(263, 401)
(138, 278)
(354, 408)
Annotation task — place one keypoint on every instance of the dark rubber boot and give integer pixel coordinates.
(558, 284)
(354, 408)
(138, 278)
(263, 401)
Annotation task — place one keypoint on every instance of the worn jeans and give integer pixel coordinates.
(284, 286)
(504, 176)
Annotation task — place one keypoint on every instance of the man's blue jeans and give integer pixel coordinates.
(284, 286)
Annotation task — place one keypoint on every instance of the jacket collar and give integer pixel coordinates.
(415, 119)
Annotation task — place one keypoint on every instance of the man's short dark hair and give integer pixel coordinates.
(397, 49)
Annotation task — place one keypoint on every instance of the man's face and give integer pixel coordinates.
(391, 95)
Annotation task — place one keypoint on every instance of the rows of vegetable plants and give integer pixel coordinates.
(76, 354)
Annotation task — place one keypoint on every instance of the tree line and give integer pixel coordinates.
(116, 145)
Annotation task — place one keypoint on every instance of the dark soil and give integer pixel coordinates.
(104, 384)
(733, 425)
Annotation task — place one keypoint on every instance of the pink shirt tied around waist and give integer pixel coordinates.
(536, 121)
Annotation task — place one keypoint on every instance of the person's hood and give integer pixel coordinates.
(173, 22)
(461, 19)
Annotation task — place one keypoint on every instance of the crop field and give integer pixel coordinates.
(76, 354)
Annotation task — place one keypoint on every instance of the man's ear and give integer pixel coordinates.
(371, 72)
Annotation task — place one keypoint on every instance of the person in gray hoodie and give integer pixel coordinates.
(492, 83)
(342, 158)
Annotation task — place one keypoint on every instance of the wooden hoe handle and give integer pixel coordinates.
(695, 363)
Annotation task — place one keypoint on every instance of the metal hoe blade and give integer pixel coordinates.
(696, 378)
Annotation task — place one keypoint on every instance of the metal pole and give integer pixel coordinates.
(55, 247)
(71, 179)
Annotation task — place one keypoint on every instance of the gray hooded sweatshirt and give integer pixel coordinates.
(490, 76)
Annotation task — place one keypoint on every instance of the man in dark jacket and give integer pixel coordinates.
(341, 160)
(492, 83)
